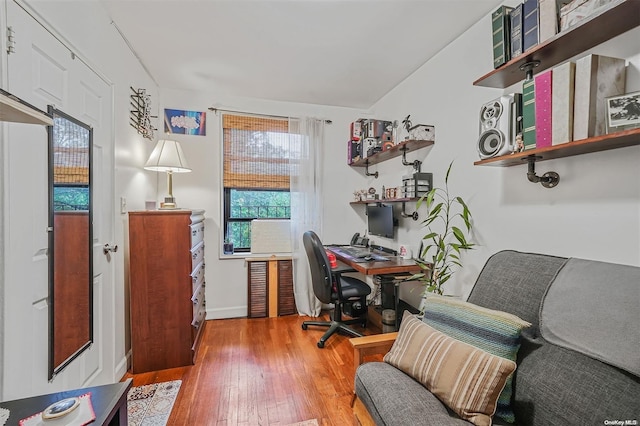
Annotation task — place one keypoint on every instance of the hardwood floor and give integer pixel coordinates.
(265, 371)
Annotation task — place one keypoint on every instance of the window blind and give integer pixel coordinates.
(256, 152)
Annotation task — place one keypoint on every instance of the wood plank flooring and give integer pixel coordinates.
(265, 371)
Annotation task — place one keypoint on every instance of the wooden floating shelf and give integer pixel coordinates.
(16, 110)
(592, 31)
(386, 200)
(395, 151)
(621, 139)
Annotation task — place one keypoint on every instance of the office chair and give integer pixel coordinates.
(329, 286)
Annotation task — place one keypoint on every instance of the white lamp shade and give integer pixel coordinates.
(167, 156)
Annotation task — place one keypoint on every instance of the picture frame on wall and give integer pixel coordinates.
(623, 112)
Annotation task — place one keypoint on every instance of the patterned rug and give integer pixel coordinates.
(151, 405)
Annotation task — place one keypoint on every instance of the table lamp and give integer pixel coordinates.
(168, 157)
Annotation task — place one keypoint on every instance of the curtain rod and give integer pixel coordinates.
(215, 110)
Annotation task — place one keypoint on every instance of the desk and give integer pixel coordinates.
(109, 403)
(395, 264)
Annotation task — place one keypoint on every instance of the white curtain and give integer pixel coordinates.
(307, 139)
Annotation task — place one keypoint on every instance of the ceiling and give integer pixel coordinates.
(346, 53)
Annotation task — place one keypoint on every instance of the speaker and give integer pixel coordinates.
(499, 124)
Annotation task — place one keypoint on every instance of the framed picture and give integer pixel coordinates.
(623, 112)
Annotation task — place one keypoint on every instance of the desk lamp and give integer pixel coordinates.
(168, 157)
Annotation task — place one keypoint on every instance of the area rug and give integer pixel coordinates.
(151, 404)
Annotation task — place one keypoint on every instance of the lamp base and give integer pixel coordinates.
(169, 203)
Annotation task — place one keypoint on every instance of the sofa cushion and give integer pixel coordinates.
(467, 379)
(493, 331)
(515, 282)
(392, 398)
(559, 386)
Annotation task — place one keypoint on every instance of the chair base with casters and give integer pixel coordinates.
(337, 324)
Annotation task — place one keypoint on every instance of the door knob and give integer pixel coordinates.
(109, 248)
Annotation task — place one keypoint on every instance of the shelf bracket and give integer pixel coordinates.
(417, 164)
(548, 180)
(528, 67)
(413, 215)
(366, 170)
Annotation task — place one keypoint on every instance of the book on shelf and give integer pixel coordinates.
(501, 36)
(548, 19)
(515, 17)
(529, 24)
(528, 114)
(562, 92)
(597, 77)
(544, 124)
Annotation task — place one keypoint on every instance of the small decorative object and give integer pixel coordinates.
(227, 246)
(518, 146)
(140, 116)
(60, 408)
(371, 194)
(422, 132)
(623, 112)
(444, 241)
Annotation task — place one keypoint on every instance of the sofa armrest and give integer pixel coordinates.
(375, 344)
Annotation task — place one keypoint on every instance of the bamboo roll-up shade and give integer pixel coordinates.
(256, 152)
(71, 165)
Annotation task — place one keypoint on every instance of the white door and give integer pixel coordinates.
(43, 72)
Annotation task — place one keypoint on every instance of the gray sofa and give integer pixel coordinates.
(553, 384)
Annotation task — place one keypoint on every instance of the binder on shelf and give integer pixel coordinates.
(515, 17)
(597, 77)
(528, 114)
(548, 19)
(544, 124)
(529, 24)
(562, 93)
(501, 35)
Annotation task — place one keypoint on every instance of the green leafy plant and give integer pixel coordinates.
(448, 226)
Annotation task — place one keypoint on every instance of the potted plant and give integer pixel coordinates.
(448, 226)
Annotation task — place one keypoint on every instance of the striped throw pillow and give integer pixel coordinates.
(465, 378)
(493, 331)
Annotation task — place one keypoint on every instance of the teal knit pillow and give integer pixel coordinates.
(493, 331)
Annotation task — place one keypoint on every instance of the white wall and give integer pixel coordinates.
(593, 212)
(201, 189)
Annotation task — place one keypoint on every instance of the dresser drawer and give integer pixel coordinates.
(197, 255)
(197, 233)
(197, 277)
(197, 299)
(199, 316)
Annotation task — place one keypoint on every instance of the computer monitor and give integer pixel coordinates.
(380, 220)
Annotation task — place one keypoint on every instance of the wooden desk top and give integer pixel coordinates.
(395, 265)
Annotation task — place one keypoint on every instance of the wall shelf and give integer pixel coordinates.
(16, 110)
(386, 200)
(620, 17)
(395, 151)
(584, 146)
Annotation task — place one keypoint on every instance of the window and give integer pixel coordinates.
(256, 173)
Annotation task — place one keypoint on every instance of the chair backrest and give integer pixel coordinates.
(321, 277)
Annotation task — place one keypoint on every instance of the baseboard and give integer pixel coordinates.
(122, 367)
(224, 313)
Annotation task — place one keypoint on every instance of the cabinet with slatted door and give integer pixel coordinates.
(270, 287)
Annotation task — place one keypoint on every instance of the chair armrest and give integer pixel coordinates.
(375, 344)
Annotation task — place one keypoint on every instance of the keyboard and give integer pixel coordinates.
(358, 254)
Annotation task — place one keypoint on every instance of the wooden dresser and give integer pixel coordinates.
(167, 287)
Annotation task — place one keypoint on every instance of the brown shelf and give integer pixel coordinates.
(584, 146)
(617, 19)
(386, 200)
(395, 151)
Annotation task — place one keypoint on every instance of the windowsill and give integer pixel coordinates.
(257, 256)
